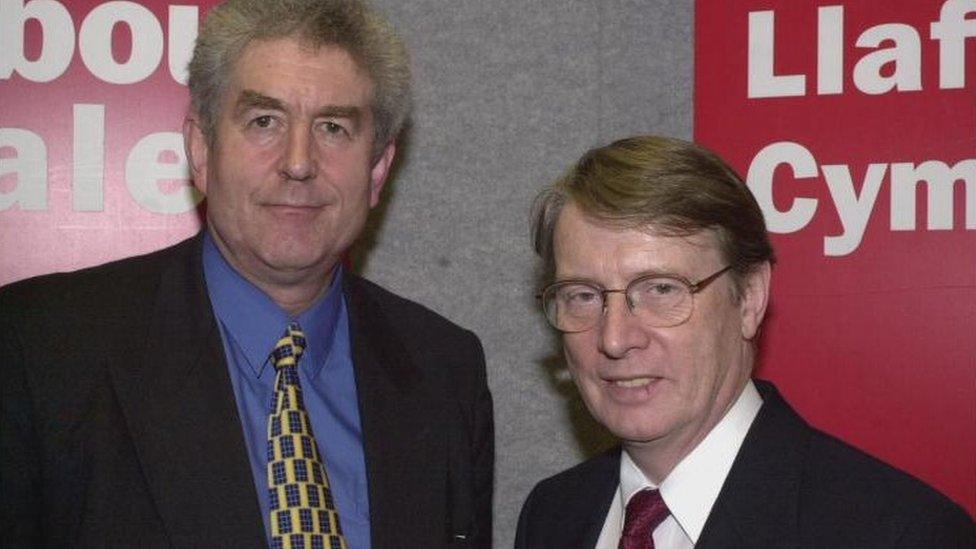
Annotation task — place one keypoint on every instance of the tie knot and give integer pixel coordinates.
(645, 511)
(289, 348)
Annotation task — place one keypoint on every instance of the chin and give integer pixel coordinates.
(288, 262)
(643, 426)
(638, 436)
(634, 429)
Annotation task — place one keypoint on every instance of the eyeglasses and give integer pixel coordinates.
(660, 301)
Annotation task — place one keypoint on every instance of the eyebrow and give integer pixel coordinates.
(250, 99)
(640, 274)
(340, 111)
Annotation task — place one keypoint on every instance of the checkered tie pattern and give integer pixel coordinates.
(303, 513)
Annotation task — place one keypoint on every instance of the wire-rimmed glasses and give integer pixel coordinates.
(659, 300)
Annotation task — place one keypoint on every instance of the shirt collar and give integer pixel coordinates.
(692, 487)
(255, 322)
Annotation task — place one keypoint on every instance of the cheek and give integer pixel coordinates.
(579, 352)
(703, 359)
(352, 182)
(226, 200)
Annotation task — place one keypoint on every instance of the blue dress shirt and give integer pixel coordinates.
(250, 325)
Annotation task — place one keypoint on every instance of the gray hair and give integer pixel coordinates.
(349, 24)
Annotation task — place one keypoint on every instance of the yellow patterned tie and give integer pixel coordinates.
(303, 513)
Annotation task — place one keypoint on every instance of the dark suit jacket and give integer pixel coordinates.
(119, 425)
(790, 486)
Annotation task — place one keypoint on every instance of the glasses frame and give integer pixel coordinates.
(693, 288)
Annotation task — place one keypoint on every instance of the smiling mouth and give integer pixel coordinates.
(635, 382)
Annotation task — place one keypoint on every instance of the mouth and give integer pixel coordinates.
(634, 383)
(632, 390)
(287, 205)
(293, 209)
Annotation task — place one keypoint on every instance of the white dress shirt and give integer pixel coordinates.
(690, 490)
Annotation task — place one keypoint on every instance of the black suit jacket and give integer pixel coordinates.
(120, 428)
(790, 486)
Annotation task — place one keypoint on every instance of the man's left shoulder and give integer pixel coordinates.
(414, 323)
(844, 496)
(845, 482)
(838, 472)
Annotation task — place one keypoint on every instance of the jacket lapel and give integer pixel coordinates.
(593, 511)
(758, 504)
(403, 430)
(179, 403)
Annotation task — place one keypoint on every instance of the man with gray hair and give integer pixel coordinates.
(241, 388)
(657, 267)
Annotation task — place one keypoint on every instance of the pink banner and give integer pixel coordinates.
(91, 157)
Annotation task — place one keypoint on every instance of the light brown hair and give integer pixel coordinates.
(662, 184)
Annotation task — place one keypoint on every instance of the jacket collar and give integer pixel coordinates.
(758, 504)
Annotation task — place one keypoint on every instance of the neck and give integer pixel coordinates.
(296, 299)
(292, 290)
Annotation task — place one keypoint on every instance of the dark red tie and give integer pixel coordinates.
(645, 511)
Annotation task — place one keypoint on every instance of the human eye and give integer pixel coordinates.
(579, 295)
(334, 130)
(262, 121)
(657, 288)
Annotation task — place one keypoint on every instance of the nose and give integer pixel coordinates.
(298, 161)
(620, 330)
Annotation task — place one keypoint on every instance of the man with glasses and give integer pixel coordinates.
(657, 268)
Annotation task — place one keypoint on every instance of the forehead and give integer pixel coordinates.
(587, 248)
(288, 69)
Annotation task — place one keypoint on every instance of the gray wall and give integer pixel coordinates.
(508, 94)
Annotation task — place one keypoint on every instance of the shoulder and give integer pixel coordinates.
(413, 321)
(60, 332)
(85, 316)
(82, 292)
(601, 469)
(842, 477)
(588, 483)
(571, 505)
(847, 495)
(449, 359)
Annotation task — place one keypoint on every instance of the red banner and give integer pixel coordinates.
(854, 124)
(92, 166)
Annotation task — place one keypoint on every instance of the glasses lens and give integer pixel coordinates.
(660, 301)
(573, 306)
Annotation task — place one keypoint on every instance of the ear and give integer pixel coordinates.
(379, 173)
(755, 297)
(197, 151)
